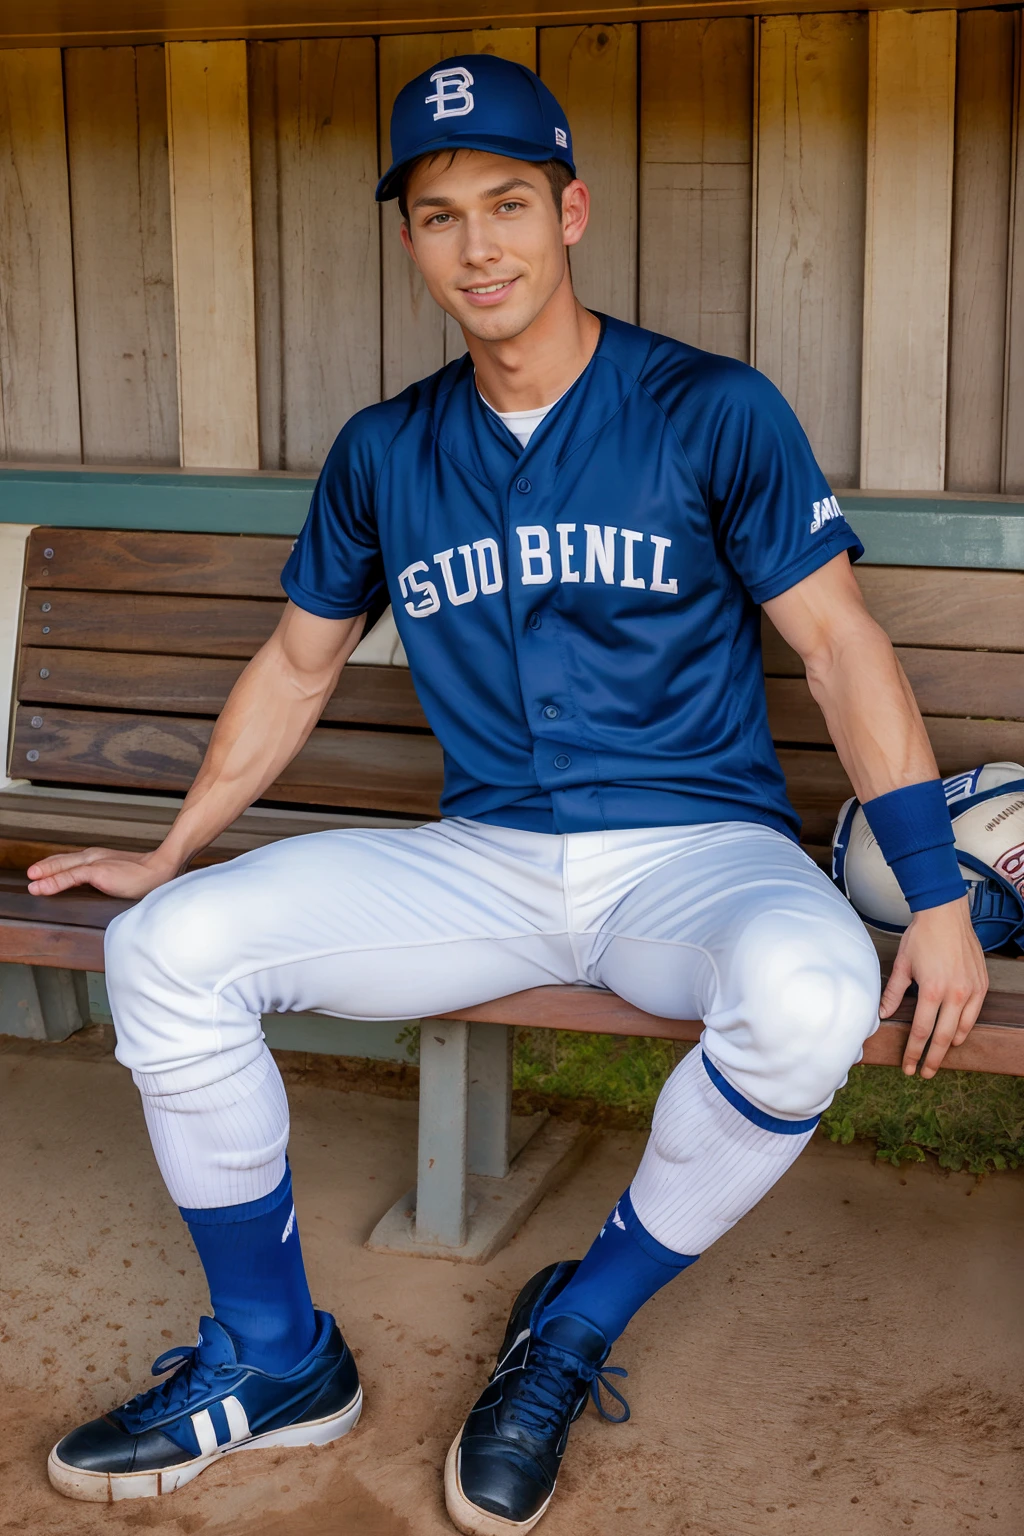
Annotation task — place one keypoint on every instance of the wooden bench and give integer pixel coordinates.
(130, 642)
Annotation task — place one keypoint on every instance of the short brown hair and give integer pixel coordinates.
(557, 172)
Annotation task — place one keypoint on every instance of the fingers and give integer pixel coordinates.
(920, 1031)
(57, 862)
(62, 880)
(969, 1016)
(895, 987)
(946, 1026)
(938, 1024)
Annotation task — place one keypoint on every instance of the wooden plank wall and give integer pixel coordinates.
(124, 280)
(313, 112)
(211, 226)
(696, 150)
(38, 361)
(809, 262)
(194, 270)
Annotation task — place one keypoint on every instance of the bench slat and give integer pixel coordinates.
(995, 1045)
(75, 949)
(987, 684)
(128, 560)
(369, 769)
(79, 908)
(122, 621)
(795, 717)
(946, 608)
(187, 685)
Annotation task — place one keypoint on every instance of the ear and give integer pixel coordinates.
(575, 212)
(406, 239)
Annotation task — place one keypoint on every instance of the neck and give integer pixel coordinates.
(537, 366)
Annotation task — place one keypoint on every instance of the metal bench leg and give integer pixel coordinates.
(442, 1163)
(473, 1188)
(465, 1110)
(490, 1098)
(41, 1002)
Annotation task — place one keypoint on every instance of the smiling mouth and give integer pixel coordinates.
(484, 290)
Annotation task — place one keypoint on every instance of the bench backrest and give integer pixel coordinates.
(131, 641)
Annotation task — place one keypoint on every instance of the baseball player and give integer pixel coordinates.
(576, 524)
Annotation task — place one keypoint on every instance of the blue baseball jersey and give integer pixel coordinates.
(581, 615)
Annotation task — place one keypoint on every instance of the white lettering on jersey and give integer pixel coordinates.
(824, 512)
(429, 602)
(629, 538)
(490, 580)
(453, 98)
(444, 560)
(567, 550)
(600, 551)
(658, 583)
(535, 548)
(466, 578)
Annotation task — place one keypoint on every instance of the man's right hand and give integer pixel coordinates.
(110, 870)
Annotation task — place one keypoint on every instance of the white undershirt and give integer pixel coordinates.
(523, 424)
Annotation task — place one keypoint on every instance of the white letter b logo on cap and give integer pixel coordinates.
(454, 97)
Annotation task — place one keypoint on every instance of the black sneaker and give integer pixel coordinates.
(501, 1471)
(210, 1405)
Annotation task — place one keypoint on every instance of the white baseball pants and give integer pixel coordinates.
(729, 922)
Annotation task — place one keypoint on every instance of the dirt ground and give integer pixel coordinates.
(848, 1362)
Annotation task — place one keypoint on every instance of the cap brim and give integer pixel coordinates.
(389, 185)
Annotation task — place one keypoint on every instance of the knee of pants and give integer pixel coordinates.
(163, 961)
(808, 999)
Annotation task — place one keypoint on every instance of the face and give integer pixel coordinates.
(486, 235)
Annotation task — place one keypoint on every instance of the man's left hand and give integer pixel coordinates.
(940, 951)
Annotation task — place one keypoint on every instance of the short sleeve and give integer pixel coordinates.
(335, 569)
(776, 517)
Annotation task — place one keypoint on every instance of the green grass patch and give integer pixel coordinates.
(969, 1121)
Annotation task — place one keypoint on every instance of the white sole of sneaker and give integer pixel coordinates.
(111, 1487)
(470, 1520)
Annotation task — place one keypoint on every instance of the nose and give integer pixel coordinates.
(479, 247)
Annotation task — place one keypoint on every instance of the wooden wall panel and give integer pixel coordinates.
(593, 72)
(211, 212)
(979, 266)
(1013, 403)
(809, 261)
(696, 115)
(38, 369)
(124, 282)
(907, 249)
(417, 337)
(314, 161)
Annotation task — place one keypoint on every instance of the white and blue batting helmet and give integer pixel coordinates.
(987, 810)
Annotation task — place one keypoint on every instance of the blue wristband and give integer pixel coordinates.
(914, 832)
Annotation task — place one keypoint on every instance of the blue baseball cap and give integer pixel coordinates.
(475, 101)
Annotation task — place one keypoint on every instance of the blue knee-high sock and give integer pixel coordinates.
(258, 1290)
(622, 1269)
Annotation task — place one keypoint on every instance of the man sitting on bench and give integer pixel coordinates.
(575, 523)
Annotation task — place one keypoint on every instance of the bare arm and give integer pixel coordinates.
(268, 715)
(860, 687)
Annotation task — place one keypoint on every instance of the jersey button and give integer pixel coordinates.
(534, 621)
(563, 760)
(523, 486)
(551, 712)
